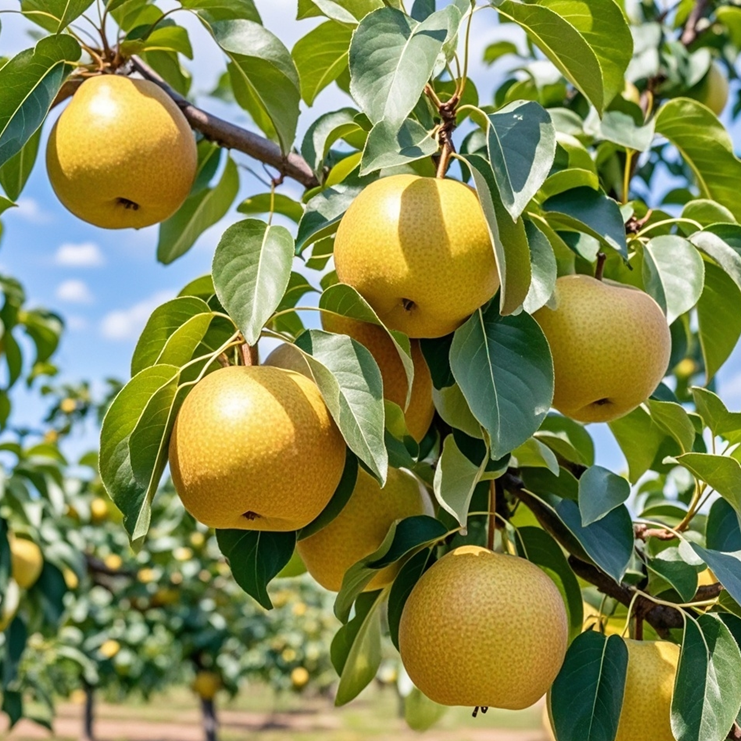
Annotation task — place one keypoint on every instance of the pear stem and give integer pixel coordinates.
(639, 628)
(492, 515)
(600, 269)
(249, 354)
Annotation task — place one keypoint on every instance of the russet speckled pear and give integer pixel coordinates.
(649, 686)
(121, 154)
(421, 409)
(610, 345)
(419, 251)
(255, 448)
(361, 526)
(483, 629)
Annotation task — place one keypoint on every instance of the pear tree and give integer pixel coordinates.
(467, 282)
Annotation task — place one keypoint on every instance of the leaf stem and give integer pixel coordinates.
(677, 220)
(492, 515)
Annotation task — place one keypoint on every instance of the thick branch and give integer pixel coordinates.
(691, 28)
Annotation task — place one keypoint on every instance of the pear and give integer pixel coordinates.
(26, 561)
(610, 345)
(712, 90)
(121, 154)
(206, 684)
(421, 409)
(483, 629)
(361, 526)
(419, 251)
(255, 448)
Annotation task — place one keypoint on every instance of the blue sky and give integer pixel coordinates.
(105, 283)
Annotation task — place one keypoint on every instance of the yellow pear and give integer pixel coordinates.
(419, 251)
(712, 90)
(26, 561)
(121, 154)
(206, 685)
(361, 526)
(255, 448)
(299, 677)
(483, 629)
(646, 713)
(610, 346)
(420, 411)
(98, 510)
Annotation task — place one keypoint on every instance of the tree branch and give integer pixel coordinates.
(691, 32)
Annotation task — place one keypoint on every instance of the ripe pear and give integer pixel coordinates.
(649, 685)
(361, 526)
(421, 409)
(206, 685)
(610, 345)
(712, 90)
(121, 154)
(26, 561)
(483, 629)
(419, 251)
(255, 448)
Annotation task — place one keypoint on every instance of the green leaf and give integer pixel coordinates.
(707, 691)
(722, 242)
(568, 438)
(29, 82)
(674, 420)
(587, 696)
(152, 347)
(726, 566)
(509, 238)
(408, 576)
(15, 172)
(339, 499)
(723, 532)
(499, 49)
(255, 558)
(391, 146)
(344, 300)
(608, 542)
(404, 538)
(588, 40)
(544, 269)
(707, 148)
(672, 568)
(504, 368)
(251, 269)
(356, 648)
(622, 128)
(263, 66)
(537, 546)
(673, 274)
(521, 146)
(535, 454)
(591, 212)
(421, 713)
(121, 422)
(321, 57)
(54, 15)
(720, 472)
(324, 132)
(392, 58)
(224, 10)
(640, 439)
(455, 480)
(277, 203)
(164, 38)
(344, 11)
(199, 212)
(600, 492)
(719, 318)
(352, 388)
(453, 408)
(323, 214)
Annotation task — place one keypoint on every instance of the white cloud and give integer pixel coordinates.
(74, 292)
(127, 324)
(83, 255)
(31, 210)
(75, 323)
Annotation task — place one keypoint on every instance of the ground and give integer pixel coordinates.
(266, 717)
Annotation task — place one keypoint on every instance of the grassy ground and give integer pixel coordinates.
(259, 715)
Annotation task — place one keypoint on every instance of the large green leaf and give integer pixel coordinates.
(707, 148)
(324, 132)
(263, 67)
(508, 237)
(251, 270)
(200, 211)
(719, 318)
(640, 439)
(504, 368)
(15, 172)
(54, 15)
(587, 696)
(707, 691)
(544, 269)
(588, 40)
(673, 568)
(722, 242)
(351, 384)
(29, 82)
(673, 273)
(600, 492)
(720, 472)
(521, 146)
(321, 57)
(392, 58)
(726, 566)
(255, 558)
(674, 420)
(408, 576)
(345, 11)
(389, 145)
(224, 10)
(723, 532)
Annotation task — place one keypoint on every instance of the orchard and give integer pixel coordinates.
(427, 312)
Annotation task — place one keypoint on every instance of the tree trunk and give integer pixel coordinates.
(210, 724)
(89, 715)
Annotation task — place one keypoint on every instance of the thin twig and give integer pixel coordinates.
(691, 28)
